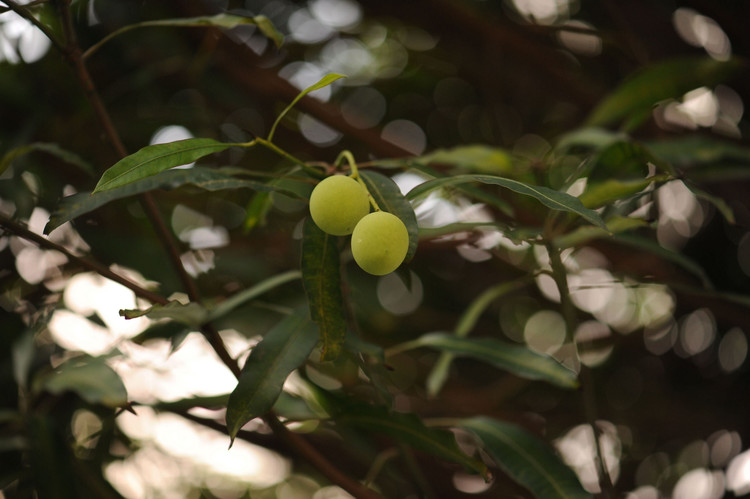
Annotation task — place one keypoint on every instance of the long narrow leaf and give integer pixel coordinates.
(634, 99)
(408, 428)
(49, 148)
(323, 82)
(526, 459)
(321, 276)
(226, 21)
(551, 198)
(282, 350)
(389, 198)
(204, 178)
(158, 157)
(439, 373)
(516, 359)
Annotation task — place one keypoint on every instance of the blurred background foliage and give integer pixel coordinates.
(668, 373)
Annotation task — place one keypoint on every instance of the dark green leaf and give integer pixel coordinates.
(526, 459)
(650, 246)
(282, 350)
(190, 314)
(625, 160)
(516, 359)
(91, 378)
(321, 275)
(603, 193)
(389, 198)
(204, 178)
(584, 234)
(156, 158)
(223, 20)
(550, 198)
(49, 148)
(323, 82)
(634, 99)
(409, 429)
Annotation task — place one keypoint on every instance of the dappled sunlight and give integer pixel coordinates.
(20, 41)
(579, 449)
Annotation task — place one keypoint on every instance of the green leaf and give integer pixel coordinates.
(625, 160)
(516, 359)
(226, 21)
(473, 158)
(409, 429)
(89, 377)
(650, 246)
(156, 158)
(389, 198)
(634, 99)
(548, 197)
(204, 178)
(257, 209)
(323, 82)
(718, 202)
(282, 350)
(587, 233)
(439, 373)
(589, 138)
(603, 193)
(49, 148)
(527, 459)
(321, 276)
(190, 314)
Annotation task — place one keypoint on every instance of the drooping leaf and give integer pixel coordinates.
(409, 429)
(282, 350)
(527, 459)
(323, 82)
(389, 198)
(439, 373)
(650, 246)
(222, 20)
(718, 202)
(603, 193)
(158, 157)
(634, 99)
(321, 275)
(203, 178)
(190, 314)
(89, 377)
(515, 359)
(549, 197)
(49, 148)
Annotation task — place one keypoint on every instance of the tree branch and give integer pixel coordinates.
(41, 241)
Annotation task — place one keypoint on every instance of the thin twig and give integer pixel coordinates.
(23, 232)
(559, 274)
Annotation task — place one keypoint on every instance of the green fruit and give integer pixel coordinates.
(337, 203)
(379, 243)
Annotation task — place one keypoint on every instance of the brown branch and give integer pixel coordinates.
(41, 241)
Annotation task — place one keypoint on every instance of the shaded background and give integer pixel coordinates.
(423, 75)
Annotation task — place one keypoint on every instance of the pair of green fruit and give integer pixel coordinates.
(339, 205)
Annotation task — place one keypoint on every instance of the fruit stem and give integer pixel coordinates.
(349, 157)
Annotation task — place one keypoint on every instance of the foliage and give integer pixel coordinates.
(534, 266)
